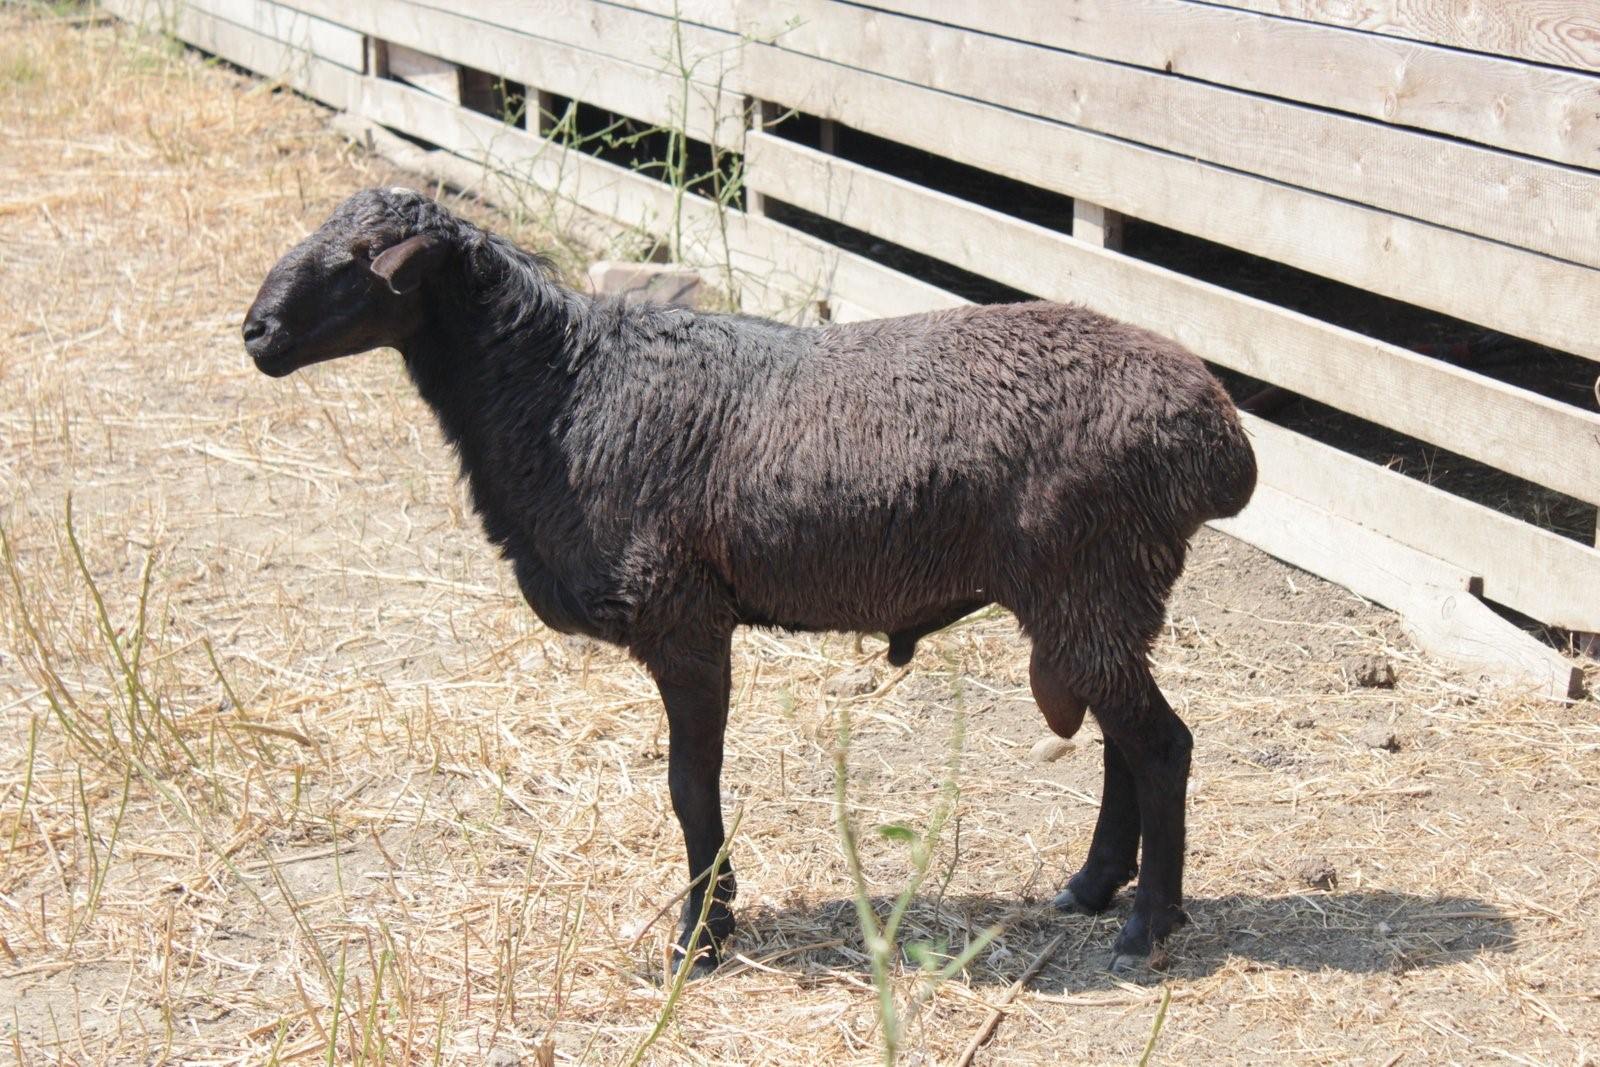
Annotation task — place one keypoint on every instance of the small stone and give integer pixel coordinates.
(1370, 672)
(653, 283)
(1379, 736)
(854, 683)
(1318, 873)
(1048, 749)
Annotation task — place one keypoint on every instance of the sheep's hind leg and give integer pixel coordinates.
(1156, 746)
(695, 689)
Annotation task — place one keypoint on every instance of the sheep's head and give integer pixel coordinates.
(351, 286)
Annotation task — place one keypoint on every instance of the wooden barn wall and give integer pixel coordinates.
(1443, 154)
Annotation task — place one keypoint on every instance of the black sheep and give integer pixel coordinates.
(658, 476)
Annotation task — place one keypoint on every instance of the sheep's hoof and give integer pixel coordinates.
(1067, 902)
(1143, 942)
(1156, 959)
(1091, 891)
(902, 649)
(1126, 964)
(701, 966)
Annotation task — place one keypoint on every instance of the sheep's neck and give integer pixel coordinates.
(458, 359)
(479, 385)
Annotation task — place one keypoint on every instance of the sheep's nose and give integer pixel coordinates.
(254, 330)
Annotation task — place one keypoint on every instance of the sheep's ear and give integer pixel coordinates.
(403, 266)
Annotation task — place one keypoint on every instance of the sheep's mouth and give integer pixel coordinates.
(276, 364)
(284, 363)
(280, 353)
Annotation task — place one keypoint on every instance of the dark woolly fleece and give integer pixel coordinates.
(658, 476)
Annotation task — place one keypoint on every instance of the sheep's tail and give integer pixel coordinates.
(1231, 467)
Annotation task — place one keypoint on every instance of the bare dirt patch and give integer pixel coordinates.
(340, 788)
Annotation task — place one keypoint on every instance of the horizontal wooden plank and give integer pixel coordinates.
(641, 92)
(324, 39)
(717, 14)
(329, 82)
(1532, 436)
(1442, 617)
(1561, 32)
(1541, 574)
(1540, 111)
(708, 57)
(1517, 292)
(1524, 202)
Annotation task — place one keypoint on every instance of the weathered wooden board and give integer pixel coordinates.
(1537, 438)
(1514, 291)
(1534, 571)
(717, 14)
(1561, 32)
(1493, 100)
(1435, 607)
(640, 92)
(326, 81)
(324, 39)
(1525, 202)
(704, 56)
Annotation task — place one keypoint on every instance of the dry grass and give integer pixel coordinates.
(327, 793)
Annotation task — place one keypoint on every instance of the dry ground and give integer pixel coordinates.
(339, 789)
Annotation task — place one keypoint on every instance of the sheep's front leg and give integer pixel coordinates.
(695, 689)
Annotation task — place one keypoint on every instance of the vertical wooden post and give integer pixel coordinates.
(543, 117)
(377, 57)
(828, 139)
(1096, 225)
(761, 114)
(1589, 644)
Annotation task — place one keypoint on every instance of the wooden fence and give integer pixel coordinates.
(1442, 154)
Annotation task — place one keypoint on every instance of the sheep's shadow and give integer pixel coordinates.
(1357, 932)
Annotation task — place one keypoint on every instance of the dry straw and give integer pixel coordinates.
(287, 775)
